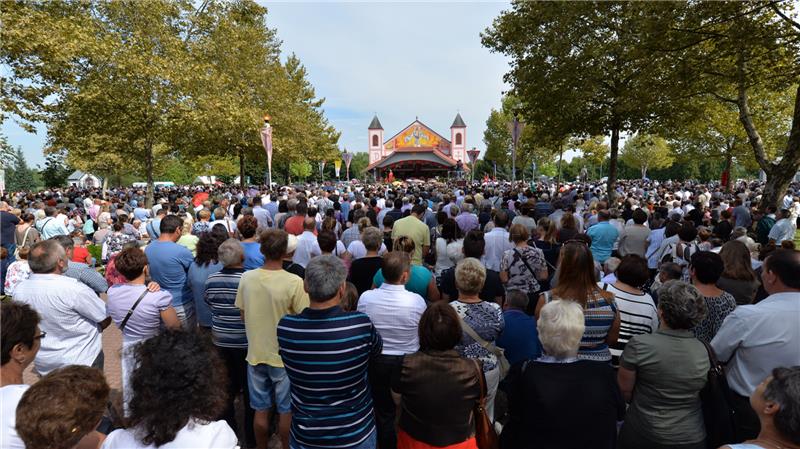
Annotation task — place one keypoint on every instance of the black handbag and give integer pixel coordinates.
(716, 401)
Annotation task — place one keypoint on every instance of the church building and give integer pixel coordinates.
(417, 151)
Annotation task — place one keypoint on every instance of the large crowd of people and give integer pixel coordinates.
(403, 315)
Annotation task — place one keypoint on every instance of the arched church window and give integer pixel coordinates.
(458, 138)
(375, 140)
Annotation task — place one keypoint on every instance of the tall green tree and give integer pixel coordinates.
(7, 153)
(19, 177)
(738, 53)
(55, 171)
(358, 165)
(533, 145)
(240, 82)
(579, 67)
(126, 85)
(645, 151)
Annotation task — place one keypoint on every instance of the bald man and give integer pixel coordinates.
(307, 246)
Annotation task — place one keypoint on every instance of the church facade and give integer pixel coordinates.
(417, 151)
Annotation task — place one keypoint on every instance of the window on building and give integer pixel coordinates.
(458, 138)
(374, 140)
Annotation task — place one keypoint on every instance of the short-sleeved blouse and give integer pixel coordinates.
(486, 319)
(718, 307)
(599, 315)
(671, 368)
(519, 276)
(146, 318)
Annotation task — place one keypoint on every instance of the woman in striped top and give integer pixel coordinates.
(637, 311)
(577, 282)
(227, 330)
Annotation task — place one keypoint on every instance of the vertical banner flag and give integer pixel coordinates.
(473, 155)
(266, 140)
(337, 166)
(347, 157)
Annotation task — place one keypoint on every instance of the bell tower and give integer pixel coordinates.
(375, 140)
(458, 139)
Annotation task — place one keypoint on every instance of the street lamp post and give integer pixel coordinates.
(266, 140)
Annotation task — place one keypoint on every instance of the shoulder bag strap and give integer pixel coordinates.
(45, 224)
(481, 380)
(712, 358)
(25, 237)
(522, 257)
(133, 307)
(471, 332)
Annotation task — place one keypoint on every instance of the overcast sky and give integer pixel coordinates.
(399, 60)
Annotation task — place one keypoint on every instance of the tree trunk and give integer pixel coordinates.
(779, 174)
(242, 183)
(728, 165)
(777, 183)
(612, 163)
(560, 159)
(105, 186)
(644, 172)
(149, 168)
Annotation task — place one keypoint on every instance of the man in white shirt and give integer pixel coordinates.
(755, 339)
(50, 225)
(307, 245)
(676, 209)
(497, 242)
(395, 313)
(72, 314)
(783, 229)
(788, 199)
(262, 215)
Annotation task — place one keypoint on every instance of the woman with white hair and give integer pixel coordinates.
(550, 395)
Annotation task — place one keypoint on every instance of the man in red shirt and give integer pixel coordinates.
(294, 225)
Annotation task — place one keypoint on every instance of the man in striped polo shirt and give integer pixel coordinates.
(326, 353)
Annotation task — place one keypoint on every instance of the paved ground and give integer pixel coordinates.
(112, 343)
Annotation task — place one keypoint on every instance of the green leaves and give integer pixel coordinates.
(158, 87)
(645, 151)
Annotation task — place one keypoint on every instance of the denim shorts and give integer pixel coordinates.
(264, 381)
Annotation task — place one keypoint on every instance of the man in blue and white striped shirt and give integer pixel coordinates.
(326, 352)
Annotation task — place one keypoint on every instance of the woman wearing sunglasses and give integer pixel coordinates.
(21, 338)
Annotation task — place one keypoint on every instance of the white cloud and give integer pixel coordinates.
(399, 60)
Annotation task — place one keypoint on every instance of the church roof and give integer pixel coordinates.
(76, 175)
(458, 122)
(428, 155)
(375, 123)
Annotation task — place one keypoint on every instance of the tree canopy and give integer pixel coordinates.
(129, 86)
(602, 68)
